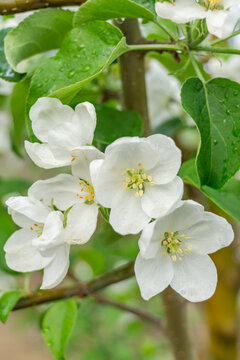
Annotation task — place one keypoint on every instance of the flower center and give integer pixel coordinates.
(174, 245)
(86, 191)
(137, 180)
(38, 228)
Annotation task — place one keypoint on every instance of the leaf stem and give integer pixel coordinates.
(214, 49)
(219, 41)
(153, 47)
(166, 30)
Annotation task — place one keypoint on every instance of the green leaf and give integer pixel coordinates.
(11, 185)
(17, 105)
(113, 9)
(42, 31)
(113, 124)
(84, 54)
(215, 108)
(169, 127)
(7, 302)
(227, 198)
(57, 325)
(6, 72)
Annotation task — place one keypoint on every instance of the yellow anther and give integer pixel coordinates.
(174, 243)
(180, 259)
(137, 194)
(164, 254)
(141, 193)
(174, 258)
(139, 164)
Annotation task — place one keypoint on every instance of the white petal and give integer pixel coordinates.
(42, 156)
(28, 206)
(158, 200)
(153, 275)
(56, 271)
(85, 116)
(169, 159)
(209, 234)
(221, 23)
(48, 113)
(149, 242)
(195, 278)
(181, 11)
(228, 3)
(81, 159)
(127, 216)
(81, 223)
(21, 255)
(60, 189)
(21, 220)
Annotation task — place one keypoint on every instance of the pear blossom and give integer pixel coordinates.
(73, 193)
(137, 180)
(60, 129)
(221, 15)
(174, 251)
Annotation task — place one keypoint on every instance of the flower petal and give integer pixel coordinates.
(82, 157)
(28, 206)
(81, 223)
(21, 255)
(127, 216)
(149, 243)
(46, 114)
(221, 23)
(153, 275)
(169, 156)
(158, 200)
(195, 278)
(180, 11)
(60, 189)
(56, 271)
(42, 156)
(209, 234)
(85, 116)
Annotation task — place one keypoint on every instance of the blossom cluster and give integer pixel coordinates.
(136, 179)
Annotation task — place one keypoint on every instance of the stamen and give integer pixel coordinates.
(88, 190)
(137, 179)
(174, 243)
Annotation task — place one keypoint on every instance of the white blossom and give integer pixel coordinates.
(221, 15)
(137, 180)
(173, 251)
(60, 129)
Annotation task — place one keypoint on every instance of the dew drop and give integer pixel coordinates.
(215, 142)
(235, 93)
(71, 74)
(86, 68)
(228, 112)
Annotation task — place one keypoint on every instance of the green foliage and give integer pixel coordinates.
(169, 127)
(6, 72)
(17, 105)
(113, 124)
(42, 31)
(7, 302)
(113, 9)
(57, 325)
(227, 198)
(84, 54)
(215, 108)
(8, 186)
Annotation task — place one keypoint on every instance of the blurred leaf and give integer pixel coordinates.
(15, 186)
(113, 124)
(95, 259)
(7, 302)
(42, 31)
(7, 227)
(169, 127)
(112, 9)
(215, 108)
(17, 105)
(57, 326)
(227, 198)
(85, 52)
(6, 72)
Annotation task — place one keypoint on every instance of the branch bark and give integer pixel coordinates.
(82, 289)
(16, 6)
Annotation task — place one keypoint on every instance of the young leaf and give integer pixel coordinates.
(113, 124)
(57, 325)
(214, 106)
(85, 52)
(112, 9)
(227, 198)
(6, 72)
(42, 31)
(7, 302)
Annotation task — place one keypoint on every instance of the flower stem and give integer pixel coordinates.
(153, 47)
(219, 41)
(218, 50)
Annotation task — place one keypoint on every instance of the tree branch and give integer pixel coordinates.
(82, 289)
(16, 6)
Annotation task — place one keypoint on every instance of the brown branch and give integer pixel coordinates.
(16, 6)
(82, 289)
(143, 315)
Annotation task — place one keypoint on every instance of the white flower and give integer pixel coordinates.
(74, 193)
(163, 93)
(137, 180)
(60, 129)
(220, 20)
(173, 251)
